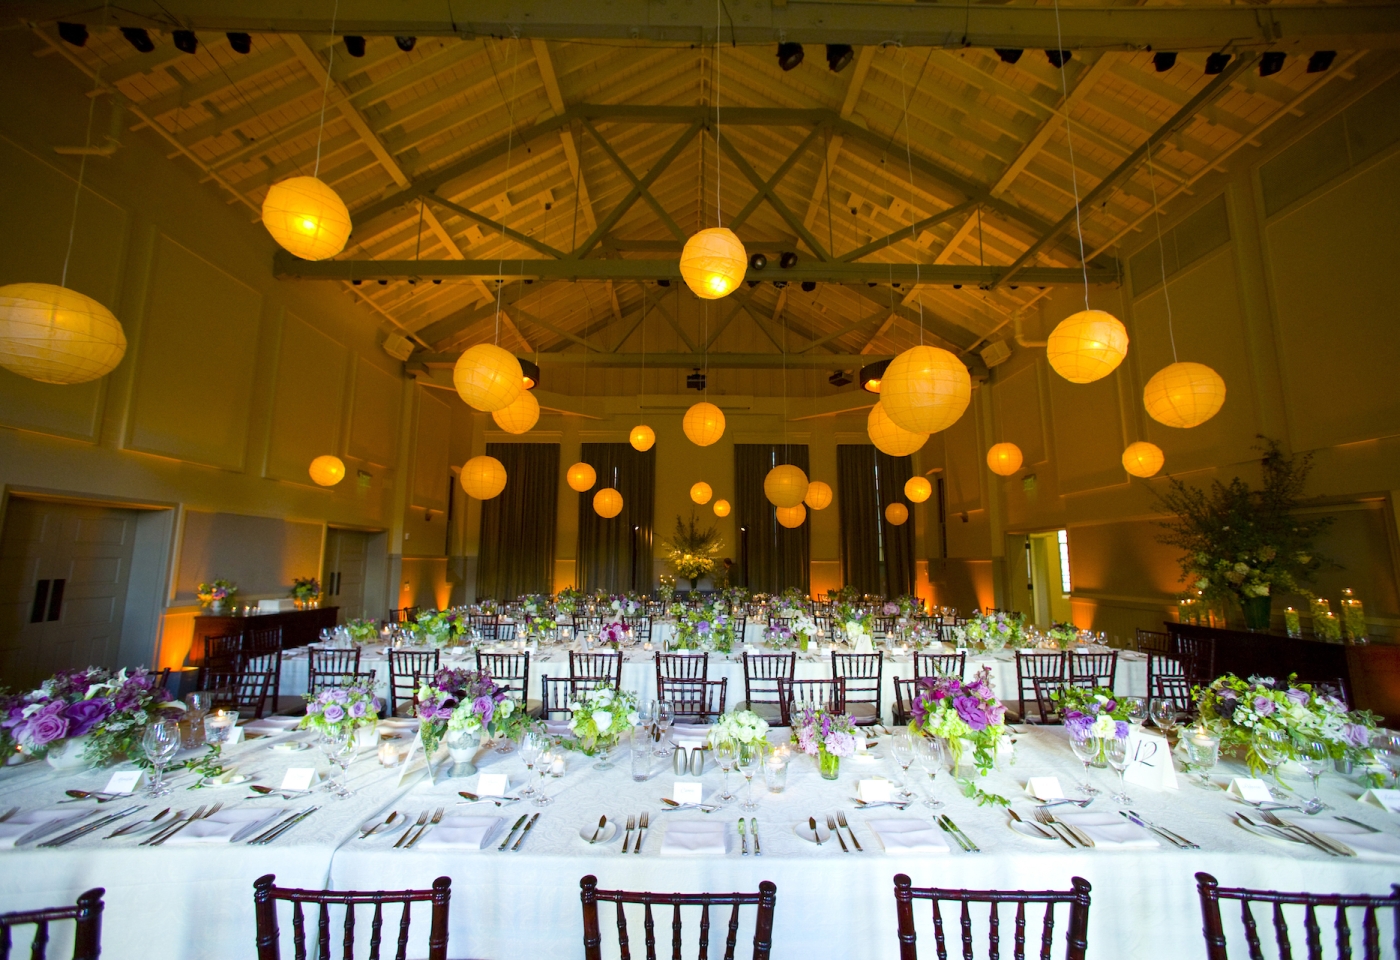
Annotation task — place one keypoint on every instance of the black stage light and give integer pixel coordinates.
(1321, 60)
(139, 38)
(871, 374)
(779, 284)
(355, 46)
(1216, 62)
(838, 378)
(1059, 58)
(839, 56)
(752, 283)
(531, 371)
(1008, 55)
(788, 260)
(757, 261)
(808, 286)
(1163, 61)
(241, 42)
(663, 283)
(695, 381)
(1271, 62)
(74, 33)
(185, 41)
(789, 55)
(405, 43)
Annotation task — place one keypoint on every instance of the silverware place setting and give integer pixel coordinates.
(1071, 836)
(84, 830)
(523, 833)
(677, 805)
(956, 832)
(101, 796)
(386, 824)
(422, 819)
(267, 836)
(436, 819)
(1175, 839)
(511, 832)
(641, 831)
(133, 827)
(631, 825)
(498, 801)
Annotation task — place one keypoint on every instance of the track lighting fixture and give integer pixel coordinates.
(1163, 61)
(871, 374)
(788, 260)
(139, 38)
(1215, 63)
(241, 42)
(1008, 55)
(185, 41)
(789, 55)
(355, 46)
(405, 43)
(839, 56)
(74, 33)
(808, 286)
(757, 261)
(1321, 60)
(838, 379)
(1271, 62)
(779, 284)
(1058, 58)
(695, 381)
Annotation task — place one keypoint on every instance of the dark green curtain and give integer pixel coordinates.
(877, 557)
(615, 555)
(517, 526)
(891, 474)
(771, 557)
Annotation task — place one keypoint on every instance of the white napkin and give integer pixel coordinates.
(18, 827)
(908, 836)
(269, 726)
(1109, 832)
(228, 826)
(399, 723)
(690, 837)
(690, 735)
(1368, 846)
(557, 728)
(454, 832)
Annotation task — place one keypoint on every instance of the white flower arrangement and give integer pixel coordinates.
(741, 726)
(601, 716)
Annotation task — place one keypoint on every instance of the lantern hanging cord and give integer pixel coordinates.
(326, 91)
(1069, 142)
(510, 134)
(1161, 251)
(82, 164)
(719, 218)
(909, 164)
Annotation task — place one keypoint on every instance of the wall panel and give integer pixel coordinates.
(431, 450)
(261, 555)
(374, 420)
(307, 401)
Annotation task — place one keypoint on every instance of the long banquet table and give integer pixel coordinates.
(195, 900)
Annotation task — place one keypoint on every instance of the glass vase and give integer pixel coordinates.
(829, 764)
(1257, 611)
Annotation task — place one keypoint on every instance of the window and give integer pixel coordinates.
(1065, 585)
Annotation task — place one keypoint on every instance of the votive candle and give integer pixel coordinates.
(1292, 622)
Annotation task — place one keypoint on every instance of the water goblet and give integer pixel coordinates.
(1314, 756)
(1385, 747)
(1137, 710)
(665, 716)
(197, 706)
(1163, 713)
(545, 761)
(1272, 748)
(531, 746)
(1086, 751)
(344, 744)
(902, 749)
(160, 741)
(726, 754)
(749, 757)
(931, 753)
(1115, 751)
(1202, 754)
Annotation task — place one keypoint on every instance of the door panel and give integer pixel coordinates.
(346, 555)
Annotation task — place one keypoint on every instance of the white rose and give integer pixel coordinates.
(602, 719)
(634, 718)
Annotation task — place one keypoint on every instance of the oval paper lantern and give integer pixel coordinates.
(713, 263)
(607, 503)
(581, 477)
(721, 508)
(483, 477)
(1184, 395)
(818, 495)
(643, 437)
(1143, 459)
(925, 389)
(703, 424)
(327, 470)
(306, 218)
(487, 377)
(897, 513)
(56, 335)
(785, 485)
(1004, 459)
(888, 436)
(791, 517)
(918, 489)
(1087, 346)
(520, 415)
(701, 492)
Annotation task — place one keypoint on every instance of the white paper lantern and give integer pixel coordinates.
(56, 335)
(487, 377)
(713, 263)
(785, 485)
(306, 218)
(520, 415)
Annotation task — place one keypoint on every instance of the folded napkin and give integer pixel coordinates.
(399, 723)
(1368, 846)
(1109, 832)
(228, 826)
(38, 823)
(690, 837)
(690, 735)
(908, 836)
(456, 832)
(557, 728)
(269, 726)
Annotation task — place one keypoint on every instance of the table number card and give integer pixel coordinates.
(299, 778)
(688, 791)
(235, 735)
(492, 785)
(873, 791)
(1251, 790)
(1045, 788)
(124, 781)
(1149, 761)
(1385, 799)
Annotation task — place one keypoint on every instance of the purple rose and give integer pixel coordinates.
(972, 712)
(1120, 730)
(337, 695)
(484, 707)
(46, 726)
(1078, 724)
(86, 714)
(702, 627)
(1300, 697)
(1356, 735)
(890, 609)
(334, 713)
(357, 709)
(1263, 706)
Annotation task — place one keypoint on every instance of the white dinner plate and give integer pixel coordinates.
(805, 832)
(1028, 830)
(606, 835)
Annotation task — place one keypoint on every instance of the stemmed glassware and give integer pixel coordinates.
(1116, 752)
(725, 755)
(339, 743)
(750, 754)
(1086, 750)
(545, 761)
(1314, 757)
(930, 752)
(1202, 754)
(531, 746)
(160, 742)
(1386, 745)
(665, 714)
(902, 749)
(197, 706)
(1272, 747)
(1137, 710)
(1163, 713)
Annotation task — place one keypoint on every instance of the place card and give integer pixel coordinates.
(688, 791)
(1251, 790)
(1045, 788)
(1385, 799)
(299, 778)
(492, 785)
(235, 735)
(126, 781)
(1149, 761)
(874, 791)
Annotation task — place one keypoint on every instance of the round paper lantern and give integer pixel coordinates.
(581, 477)
(1184, 395)
(785, 485)
(1004, 459)
(721, 508)
(918, 489)
(703, 424)
(643, 437)
(56, 335)
(792, 517)
(483, 477)
(1087, 346)
(487, 377)
(1143, 459)
(327, 470)
(520, 415)
(306, 218)
(701, 492)
(925, 389)
(888, 436)
(818, 495)
(713, 263)
(897, 513)
(607, 503)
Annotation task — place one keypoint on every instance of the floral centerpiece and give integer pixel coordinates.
(995, 631)
(805, 629)
(613, 632)
(779, 635)
(854, 620)
(963, 714)
(338, 710)
(215, 595)
(909, 605)
(439, 627)
(741, 726)
(306, 590)
(629, 605)
(1063, 635)
(825, 735)
(1092, 712)
(361, 630)
(601, 716)
(704, 627)
(539, 624)
(692, 549)
(462, 704)
(568, 600)
(666, 590)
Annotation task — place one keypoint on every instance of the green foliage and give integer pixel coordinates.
(983, 798)
(692, 549)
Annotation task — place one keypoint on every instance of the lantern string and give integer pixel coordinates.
(719, 219)
(510, 134)
(326, 91)
(1161, 250)
(1069, 141)
(82, 164)
(909, 164)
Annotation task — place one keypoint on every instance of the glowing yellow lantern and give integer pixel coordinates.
(520, 415)
(1004, 459)
(897, 513)
(917, 489)
(785, 485)
(925, 389)
(581, 477)
(56, 335)
(1087, 346)
(888, 436)
(483, 477)
(1143, 459)
(818, 495)
(327, 470)
(713, 263)
(701, 492)
(607, 503)
(487, 377)
(643, 437)
(306, 218)
(1184, 395)
(703, 424)
(792, 517)
(721, 508)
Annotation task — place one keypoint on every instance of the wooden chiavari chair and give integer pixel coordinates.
(556, 693)
(1076, 929)
(269, 943)
(640, 627)
(1151, 641)
(694, 701)
(940, 665)
(1197, 657)
(1045, 703)
(483, 623)
(1213, 928)
(1092, 669)
(906, 693)
(764, 900)
(407, 670)
(329, 681)
(762, 671)
(830, 694)
(1033, 665)
(336, 662)
(224, 652)
(596, 666)
(682, 666)
(862, 673)
(508, 669)
(244, 689)
(87, 935)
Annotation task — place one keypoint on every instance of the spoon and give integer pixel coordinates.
(1034, 826)
(284, 794)
(393, 816)
(1055, 803)
(98, 795)
(602, 822)
(498, 801)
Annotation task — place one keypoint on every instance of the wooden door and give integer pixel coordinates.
(346, 554)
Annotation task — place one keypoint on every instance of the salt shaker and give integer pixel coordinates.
(678, 761)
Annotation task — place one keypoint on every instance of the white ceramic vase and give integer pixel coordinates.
(67, 754)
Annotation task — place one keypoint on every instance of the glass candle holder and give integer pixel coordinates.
(390, 752)
(1292, 622)
(775, 769)
(219, 725)
(1353, 618)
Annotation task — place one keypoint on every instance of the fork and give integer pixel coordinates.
(1045, 817)
(437, 818)
(422, 819)
(8, 814)
(831, 825)
(641, 831)
(1322, 843)
(841, 819)
(631, 825)
(199, 814)
(1061, 802)
(122, 831)
(1038, 829)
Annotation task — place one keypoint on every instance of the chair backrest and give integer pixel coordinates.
(640, 627)
(87, 937)
(1076, 929)
(404, 615)
(483, 623)
(245, 689)
(862, 673)
(329, 681)
(830, 694)
(596, 666)
(764, 900)
(584, 624)
(555, 695)
(1152, 641)
(940, 665)
(1093, 669)
(881, 626)
(1177, 689)
(1214, 931)
(407, 669)
(1197, 656)
(335, 661)
(224, 652)
(506, 631)
(906, 692)
(682, 666)
(266, 895)
(1032, 665)
(762, 671)
(699, 701)
(509, 670)
(1046, 705)
(263, 640)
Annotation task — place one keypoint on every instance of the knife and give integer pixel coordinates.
(288, 825)
(511, 832)
(743, 837)
(757, 850)
(1175, 838)
(949, 831)
(523, 833)
(268, 830)
(971, 847)
(83, 831)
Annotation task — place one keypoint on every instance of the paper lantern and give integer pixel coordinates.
(791, 517)
(1087, 346)
(327, 470)
(520, 415)
(483, 477)
(643, 437)
(306, 218)
(888, 436)
(607, 503)
(713, 263)
(703, 424)
(487, 377)
(581, 477)
(818, 495)
(701, 492)
(785, 485)
(721, 508)
(56, 335)
(1184, 395)
(897, 513)
(925, 389)
(1143, 459)
(918, 489)
(1004, 459)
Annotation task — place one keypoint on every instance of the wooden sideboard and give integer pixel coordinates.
(299, 627)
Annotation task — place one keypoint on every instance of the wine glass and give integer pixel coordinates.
(531, 746)
(1202, 754)
(197, 706)
(343, 747)
(1314, 756)
(1163, 713)
(902, 749)
(725, 756)
(1116, 752)
(930, 752)
(1386, 746)
(1271, 747)
(1137, 710)
(1086, 750)
(749, 756)
(545, 761)
(160, 741)
(665, 715)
